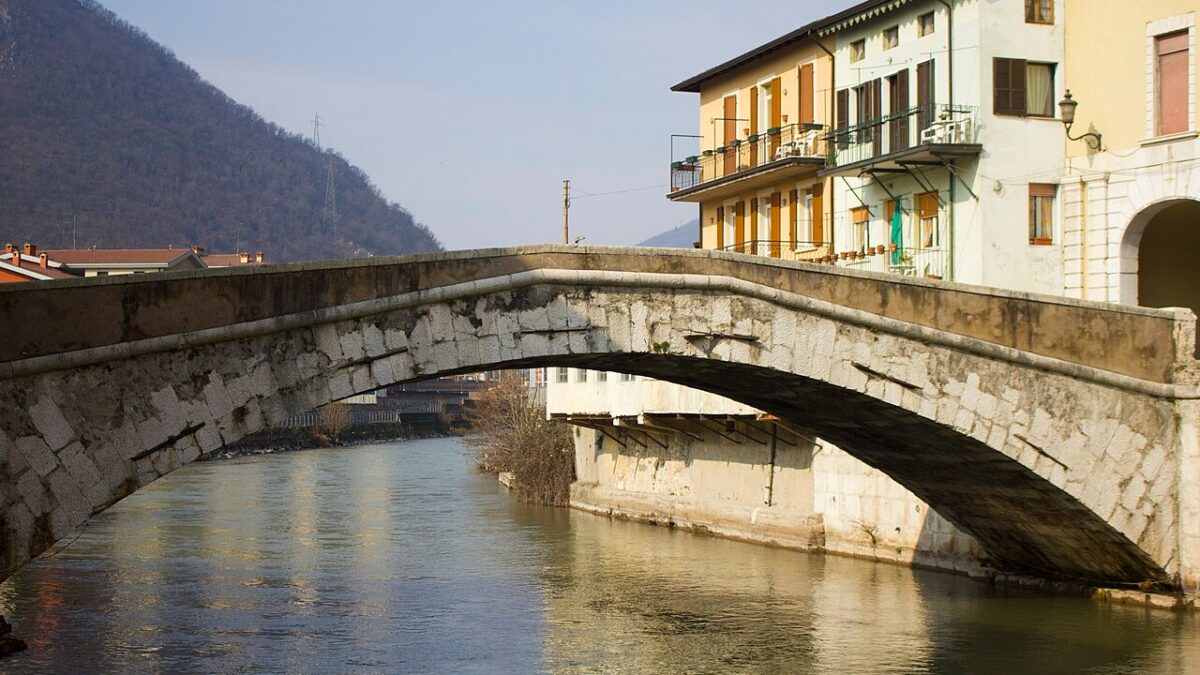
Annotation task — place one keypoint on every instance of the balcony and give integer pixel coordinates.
(934, 134)
(791, 151)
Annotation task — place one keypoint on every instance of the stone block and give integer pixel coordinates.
(37, 454)
(50, 423)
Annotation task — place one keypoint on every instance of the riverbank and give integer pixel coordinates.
(272, 441)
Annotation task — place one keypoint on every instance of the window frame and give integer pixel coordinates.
(1030, 6)
(858, 50)
(1020, 91)
(1042, 202)
(891, 37)
(921, 30)
(562, 375)
(1158, 55)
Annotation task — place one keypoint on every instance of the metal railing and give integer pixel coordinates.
(776, 144)
(782, 248)
(929, 263)
(922, 125)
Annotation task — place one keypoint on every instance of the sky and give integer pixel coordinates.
(470, 113)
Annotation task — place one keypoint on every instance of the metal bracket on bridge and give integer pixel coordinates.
(707, 342)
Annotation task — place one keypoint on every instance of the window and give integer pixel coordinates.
(560, 375)
(601, 376)
(861, 218)
(891, 37)
(1171, 85)
(927, 220)
(925, 24)
(858, 50)
(102, 273)
(1022, 88)
(627, 377)
(1041, 213)
(581, 375)
(1039, 11)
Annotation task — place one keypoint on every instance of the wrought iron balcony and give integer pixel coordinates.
(923, 133)
(779, 148)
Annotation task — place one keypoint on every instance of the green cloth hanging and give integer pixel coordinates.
(897, 233)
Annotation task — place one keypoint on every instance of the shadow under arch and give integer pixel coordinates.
(1158, 256)
(842, 381)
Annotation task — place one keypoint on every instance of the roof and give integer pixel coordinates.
(35, 272)
(33, 260)
(227, 259)
(824, 26)
(148, 257)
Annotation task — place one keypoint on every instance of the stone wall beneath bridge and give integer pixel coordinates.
(1054, 468)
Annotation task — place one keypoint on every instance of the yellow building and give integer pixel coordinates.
(763, 116)
(1131, 196)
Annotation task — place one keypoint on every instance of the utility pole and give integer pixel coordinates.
(566, 207)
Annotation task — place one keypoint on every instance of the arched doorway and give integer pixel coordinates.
(1166, 243)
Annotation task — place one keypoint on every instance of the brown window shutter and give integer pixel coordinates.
(1172, 83)
(806, 94)
(818, 213)
(1008, 86)
(843, 116)
(753, 234)
(793, 210)
(776, 102)
(720, 227)
(754, 110)
(1042, 189)
(776, 233)
(925, 94)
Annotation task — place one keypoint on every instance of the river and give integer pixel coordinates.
(396, 557)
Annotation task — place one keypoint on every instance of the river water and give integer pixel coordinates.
(397, 558)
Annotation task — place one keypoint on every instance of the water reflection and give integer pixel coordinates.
(396, 558)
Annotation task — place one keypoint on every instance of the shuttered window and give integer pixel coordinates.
(806, 94)
(1172, 85)
(1008, 86)
(1041, 213)
(860, 216)
(927, 220)
(1039, 11)
(925, 94)
(843, 117)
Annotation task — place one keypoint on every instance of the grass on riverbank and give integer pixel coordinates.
(508, 432)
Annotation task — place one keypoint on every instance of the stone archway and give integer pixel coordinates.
(1166, 238)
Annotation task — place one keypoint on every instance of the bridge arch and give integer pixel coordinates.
(1054, 467)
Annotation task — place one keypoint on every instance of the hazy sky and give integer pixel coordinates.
(471, 113)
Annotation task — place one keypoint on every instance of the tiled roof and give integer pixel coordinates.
(118, 256)
(34, 271)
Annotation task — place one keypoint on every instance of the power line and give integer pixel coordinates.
(586, 195)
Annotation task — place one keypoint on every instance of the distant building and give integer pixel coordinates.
(27, 265)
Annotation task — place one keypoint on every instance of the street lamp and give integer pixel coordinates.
(1067, 108)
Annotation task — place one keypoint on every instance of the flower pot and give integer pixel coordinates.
(891, 248)
(879, 249)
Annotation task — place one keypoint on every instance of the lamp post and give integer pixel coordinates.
(1066, 108)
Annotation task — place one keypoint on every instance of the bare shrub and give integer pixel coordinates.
(508, 432)
(335, 419)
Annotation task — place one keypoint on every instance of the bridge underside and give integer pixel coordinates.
(1052, 475)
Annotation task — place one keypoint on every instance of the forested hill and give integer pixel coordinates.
(99, 121)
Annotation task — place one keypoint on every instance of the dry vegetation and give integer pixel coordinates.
(510, 433)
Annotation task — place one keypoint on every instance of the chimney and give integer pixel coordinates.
(258, 257)
(30, 249)
(198, 249)
(16, 258)
(9, 248)
(243, 257)
(44, 261)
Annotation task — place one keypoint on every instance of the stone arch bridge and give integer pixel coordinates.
(1062, 435)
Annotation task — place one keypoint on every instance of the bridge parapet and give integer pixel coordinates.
(1150, 344)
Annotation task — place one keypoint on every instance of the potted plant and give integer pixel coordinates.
(880, 249)
(891, 247)
(707, 153)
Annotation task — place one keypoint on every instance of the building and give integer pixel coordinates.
(104, 262)
(936, 146)
(26, 264)
(1130, 195)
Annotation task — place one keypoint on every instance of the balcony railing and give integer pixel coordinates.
(756, 150)
(788, 250)
(940, 124)
(929, 263)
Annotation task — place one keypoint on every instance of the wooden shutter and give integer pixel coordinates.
(875, 107)
(898, 102)
(793, 212)
(925, 94)
(720, 227)
(818, 213)
(843, 116)
(753, 247)
(776, 225)
(1172, 82)
(752, 148)
(730, 158)
(806, 94)
(1008, 86)
(754, 110)
(775, 114)
(739, 226)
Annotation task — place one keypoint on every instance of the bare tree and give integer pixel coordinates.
(510, 433)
